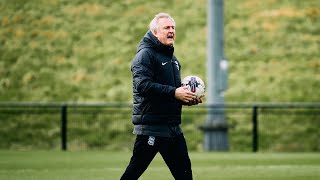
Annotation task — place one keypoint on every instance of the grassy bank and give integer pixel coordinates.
(80, 51)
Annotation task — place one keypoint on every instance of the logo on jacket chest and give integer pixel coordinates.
(175, 63)
(164, 63)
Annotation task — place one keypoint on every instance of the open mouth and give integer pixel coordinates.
(170, 36)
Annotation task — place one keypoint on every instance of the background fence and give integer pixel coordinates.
(252, 127)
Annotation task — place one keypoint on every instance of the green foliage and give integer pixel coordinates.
(273, 51)
(80, 51)
(110, 128)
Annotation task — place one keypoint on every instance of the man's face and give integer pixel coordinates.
(166, 31)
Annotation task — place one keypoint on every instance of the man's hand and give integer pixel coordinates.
(195, 102)
(187, 97)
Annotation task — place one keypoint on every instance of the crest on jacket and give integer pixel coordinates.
(177, 64)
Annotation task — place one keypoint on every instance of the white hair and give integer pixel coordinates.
(153, 26)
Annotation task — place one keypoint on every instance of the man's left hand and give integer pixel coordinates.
(195, 102)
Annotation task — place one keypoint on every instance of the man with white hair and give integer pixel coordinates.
(157, 103)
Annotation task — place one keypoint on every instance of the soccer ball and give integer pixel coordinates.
(194, 84)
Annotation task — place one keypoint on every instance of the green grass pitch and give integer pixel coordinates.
(96, 165)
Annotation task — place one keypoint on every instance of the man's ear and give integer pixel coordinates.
(155, 32)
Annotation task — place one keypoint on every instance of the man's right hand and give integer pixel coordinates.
(184, 95)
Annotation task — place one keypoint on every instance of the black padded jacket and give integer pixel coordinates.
(156, 75)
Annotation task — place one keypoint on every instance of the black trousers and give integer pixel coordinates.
(173, 150)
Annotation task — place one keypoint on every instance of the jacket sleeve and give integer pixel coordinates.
(143, 69)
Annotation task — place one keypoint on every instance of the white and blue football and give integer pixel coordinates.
(194, 84)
